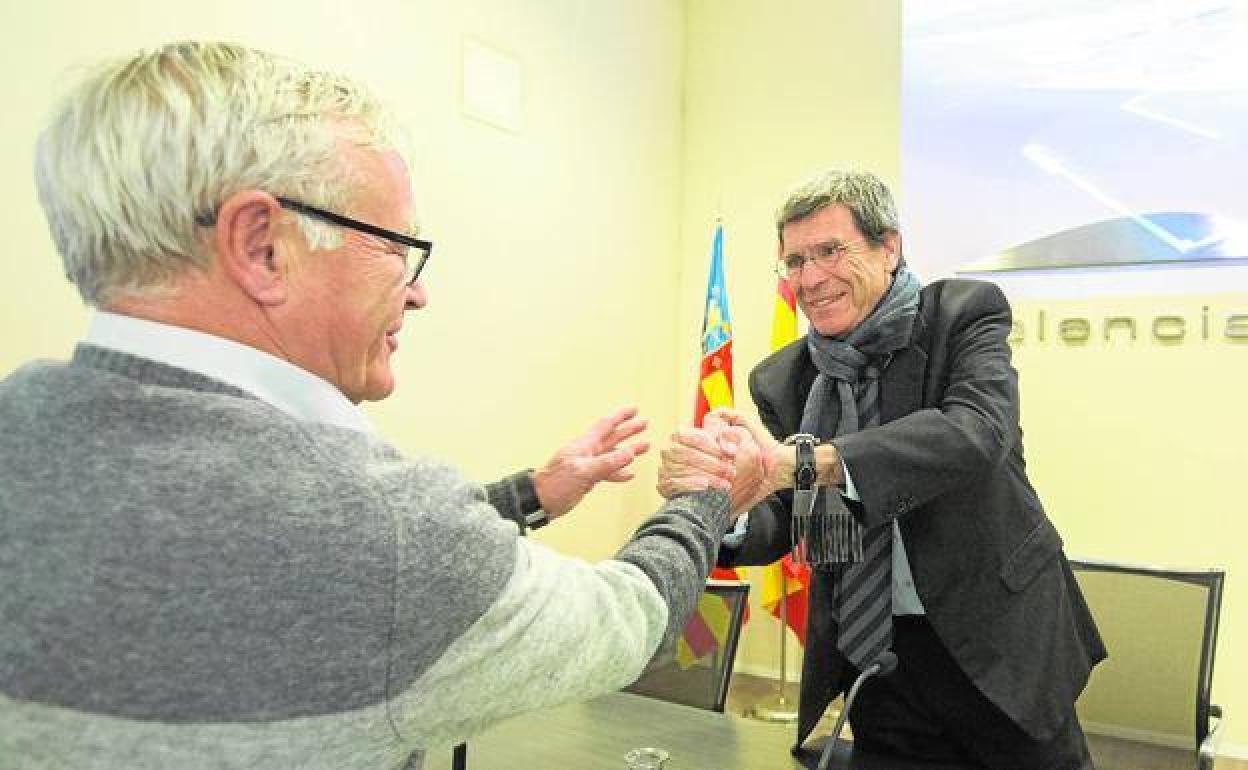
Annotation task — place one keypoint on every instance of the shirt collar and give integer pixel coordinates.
(295, 391)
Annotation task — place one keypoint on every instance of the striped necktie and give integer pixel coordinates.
(864, 591)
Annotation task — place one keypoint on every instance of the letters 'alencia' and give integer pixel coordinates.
(1166, 327)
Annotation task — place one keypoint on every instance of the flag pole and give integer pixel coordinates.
(781, 707)
(778, 707)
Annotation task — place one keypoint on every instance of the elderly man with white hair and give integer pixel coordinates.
(207, 557)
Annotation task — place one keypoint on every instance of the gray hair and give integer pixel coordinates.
(144, 147)
(863, 193)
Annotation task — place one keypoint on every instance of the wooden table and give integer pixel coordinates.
(596, 736)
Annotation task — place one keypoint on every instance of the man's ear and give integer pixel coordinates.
(892, 244)
(248, 247)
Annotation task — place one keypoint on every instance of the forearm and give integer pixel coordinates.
(828, 468)
(565, 630)
(676, 548)
(562, 630)
(907, 463)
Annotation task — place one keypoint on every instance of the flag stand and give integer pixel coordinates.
(778, 707)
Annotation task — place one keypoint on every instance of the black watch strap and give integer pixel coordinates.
(804, 469)
(803, 472)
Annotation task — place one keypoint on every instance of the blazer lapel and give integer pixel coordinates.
(901, 384)
(781, 384)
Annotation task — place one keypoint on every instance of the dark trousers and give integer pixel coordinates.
(929, 710)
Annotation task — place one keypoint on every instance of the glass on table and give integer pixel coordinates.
(646, 759)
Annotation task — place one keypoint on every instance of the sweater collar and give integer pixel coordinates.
(293, 390)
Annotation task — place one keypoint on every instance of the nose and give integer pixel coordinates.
(810, 276)
(417, 297)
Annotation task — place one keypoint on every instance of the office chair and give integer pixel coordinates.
(1149, 704)
(697, 670)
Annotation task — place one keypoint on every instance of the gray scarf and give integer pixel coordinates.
(849, 370)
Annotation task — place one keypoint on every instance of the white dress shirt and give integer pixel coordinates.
(293, 390)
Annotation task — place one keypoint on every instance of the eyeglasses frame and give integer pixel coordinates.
(844, 248)
(424, 247)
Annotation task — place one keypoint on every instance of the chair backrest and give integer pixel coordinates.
(1161, 629)
(696, 669)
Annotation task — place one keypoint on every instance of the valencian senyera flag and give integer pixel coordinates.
(708, 626)
(792, 588)
(715, 374)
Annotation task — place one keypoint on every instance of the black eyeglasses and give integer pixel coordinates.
(411, 269)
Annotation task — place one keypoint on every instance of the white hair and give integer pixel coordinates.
(137, 158)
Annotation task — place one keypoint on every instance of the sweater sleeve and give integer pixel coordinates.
(542, 628)
(514, 497)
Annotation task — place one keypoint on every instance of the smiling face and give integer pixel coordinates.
(353, 297)
(837, 298)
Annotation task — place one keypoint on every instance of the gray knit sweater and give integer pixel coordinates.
(190, 578)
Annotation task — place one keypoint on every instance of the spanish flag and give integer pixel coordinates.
(784, 579)
(708, 626)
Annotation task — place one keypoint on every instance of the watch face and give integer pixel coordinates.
(805, 477)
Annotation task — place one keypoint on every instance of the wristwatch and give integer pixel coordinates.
(804, 469)
(803, 473)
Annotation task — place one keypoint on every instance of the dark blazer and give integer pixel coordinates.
(947, 463)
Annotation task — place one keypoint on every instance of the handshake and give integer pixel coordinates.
(728, 452)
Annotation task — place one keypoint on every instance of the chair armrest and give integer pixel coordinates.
(1209, 747)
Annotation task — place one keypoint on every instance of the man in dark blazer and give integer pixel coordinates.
(914, 403)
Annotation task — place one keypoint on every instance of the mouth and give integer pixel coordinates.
(824, 302)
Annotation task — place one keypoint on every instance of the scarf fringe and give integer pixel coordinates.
(824, 540)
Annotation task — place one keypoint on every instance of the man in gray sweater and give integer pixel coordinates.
(207, 558)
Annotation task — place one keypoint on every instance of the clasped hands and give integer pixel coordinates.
(728, 452)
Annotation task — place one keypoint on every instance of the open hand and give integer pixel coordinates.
(598, 455)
